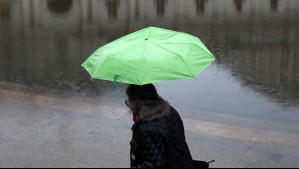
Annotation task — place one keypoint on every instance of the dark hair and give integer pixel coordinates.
(146, 104)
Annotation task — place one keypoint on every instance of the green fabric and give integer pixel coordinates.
(148, 56)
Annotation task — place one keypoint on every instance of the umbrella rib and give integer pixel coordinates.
(100, 66)
(207, 50)
(106, 57)
(143, 58)
(194, 45)
(142, 64)
(104, 61)
(193, 75)
(172, 36)
(144, 53)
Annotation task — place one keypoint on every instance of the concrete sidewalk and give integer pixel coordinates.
(49, 128)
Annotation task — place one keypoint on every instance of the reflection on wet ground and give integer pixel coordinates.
(44, 42)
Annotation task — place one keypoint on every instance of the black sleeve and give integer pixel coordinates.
(153, 150)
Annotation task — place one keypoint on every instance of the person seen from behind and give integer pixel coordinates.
(158, 131)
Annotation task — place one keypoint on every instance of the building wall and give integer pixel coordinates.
(128, 13)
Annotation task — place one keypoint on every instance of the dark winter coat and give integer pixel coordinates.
(160, 143)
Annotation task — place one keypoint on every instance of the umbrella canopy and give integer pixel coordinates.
(148, 56)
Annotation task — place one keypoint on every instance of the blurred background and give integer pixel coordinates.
(253, 84)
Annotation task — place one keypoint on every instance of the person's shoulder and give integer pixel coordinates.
(174, 112)
(155, 126)
(160, 125)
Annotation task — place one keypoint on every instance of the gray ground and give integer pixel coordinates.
(47, 128)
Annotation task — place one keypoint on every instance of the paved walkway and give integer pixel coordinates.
(48, 128)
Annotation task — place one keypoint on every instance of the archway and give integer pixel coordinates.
(59, 6)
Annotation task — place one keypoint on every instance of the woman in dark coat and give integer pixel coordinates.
(158, 133)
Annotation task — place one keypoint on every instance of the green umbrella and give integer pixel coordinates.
(148, 56)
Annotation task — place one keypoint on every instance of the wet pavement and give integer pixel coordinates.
(51, 128)
(243, 111)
